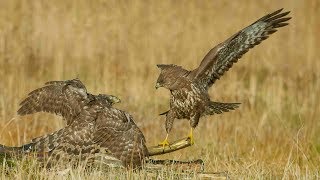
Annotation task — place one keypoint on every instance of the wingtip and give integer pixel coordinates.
(22, 102)
(279, 10)
(286, 13)
(161, 65)
(276, 12)
(20, 112)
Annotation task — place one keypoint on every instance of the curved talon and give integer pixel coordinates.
(165, 142)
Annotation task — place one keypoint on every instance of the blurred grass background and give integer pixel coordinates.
(114, 46)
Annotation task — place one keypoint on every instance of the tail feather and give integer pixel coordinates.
(218, 107)
(44, 144)
(6, 154)
(17, 151)
(41, 144)
(164, 113)
(10, 151)
(10, 155)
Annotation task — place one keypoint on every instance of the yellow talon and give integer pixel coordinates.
(165, 142)
(191, 136)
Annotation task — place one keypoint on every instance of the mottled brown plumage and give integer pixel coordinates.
(93, 128)
(66, 98)
(189, 89)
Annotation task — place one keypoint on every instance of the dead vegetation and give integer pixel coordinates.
(114, 46)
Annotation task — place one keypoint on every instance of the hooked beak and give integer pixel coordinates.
(116, 99)
(158, 85)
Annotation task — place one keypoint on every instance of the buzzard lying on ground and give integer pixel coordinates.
(94, 128)
(189, 89)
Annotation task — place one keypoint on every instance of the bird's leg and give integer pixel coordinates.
(169, 122)
(194, 120)
(191, 136)
(165, 142)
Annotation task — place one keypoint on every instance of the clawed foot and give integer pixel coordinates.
(164, 143)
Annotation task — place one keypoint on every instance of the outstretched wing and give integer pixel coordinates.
(66, 98)
(116, 131)
(221, 58)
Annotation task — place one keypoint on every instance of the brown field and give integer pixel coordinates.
(114, 46)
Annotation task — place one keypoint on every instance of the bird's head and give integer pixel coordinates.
(109, 99)
(164, 79)
(170, 76)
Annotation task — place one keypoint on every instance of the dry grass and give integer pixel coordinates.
(114, 46)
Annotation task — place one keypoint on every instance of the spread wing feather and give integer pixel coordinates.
(66, 98)
(221, 58)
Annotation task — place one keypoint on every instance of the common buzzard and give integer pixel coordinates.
(189, 89)
(93, 125)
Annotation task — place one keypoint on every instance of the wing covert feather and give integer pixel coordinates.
(66, 98)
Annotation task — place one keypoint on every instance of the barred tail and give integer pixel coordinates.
(218, 107)
(42, 144)
(10, 151)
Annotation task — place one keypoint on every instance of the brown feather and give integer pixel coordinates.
(221, 58)
(189, 89)
(94, 127)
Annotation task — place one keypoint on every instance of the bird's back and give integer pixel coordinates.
(116, 131)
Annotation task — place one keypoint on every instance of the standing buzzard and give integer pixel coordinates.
(93, 128)
(189, 89)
